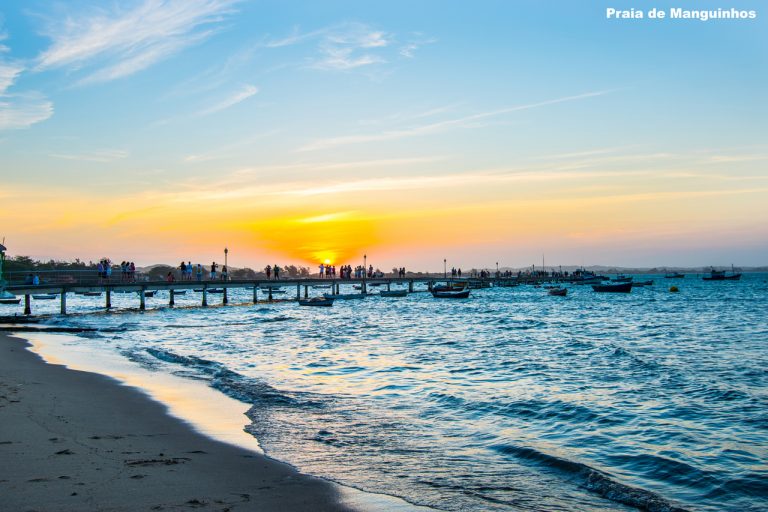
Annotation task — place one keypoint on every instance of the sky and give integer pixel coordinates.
(410, 132)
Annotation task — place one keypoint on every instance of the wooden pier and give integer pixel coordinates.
(267, 287)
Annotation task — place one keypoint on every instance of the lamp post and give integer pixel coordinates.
(445, 268)
(497, 269)
(226, 251)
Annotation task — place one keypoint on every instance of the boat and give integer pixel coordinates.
(320, 286)
(91, 294)
(558, 292)
(316, 301)
(215, 290)
(621, 278)
(642, 283)
(10, 301)
(673, 275)
(616, 288)
(589, 280)
(44, 296)
(451, 294)
(721, 275)
(448, 287)
(150, 293)
(394, 293)
(345, 296)
(179, 292)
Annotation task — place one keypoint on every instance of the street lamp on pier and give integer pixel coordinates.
(445, 268)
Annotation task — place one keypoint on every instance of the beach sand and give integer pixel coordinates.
(72, 440)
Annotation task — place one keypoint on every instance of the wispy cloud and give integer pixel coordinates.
(100, 155)
(19, 110)
(119, 42)
(466, 121)
(233, 99)
(226, 151)
(408, 50)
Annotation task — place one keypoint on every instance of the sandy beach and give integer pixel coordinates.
(72, 440)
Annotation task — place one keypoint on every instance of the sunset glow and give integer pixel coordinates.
(304, 142)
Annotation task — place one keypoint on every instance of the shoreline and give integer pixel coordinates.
(74, 440)
(82, 379)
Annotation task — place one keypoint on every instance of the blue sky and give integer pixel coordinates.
(283, 111)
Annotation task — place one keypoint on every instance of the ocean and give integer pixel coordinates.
(509, 400)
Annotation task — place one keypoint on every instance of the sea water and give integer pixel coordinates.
(509, 400)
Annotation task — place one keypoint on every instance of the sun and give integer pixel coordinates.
(327, 261)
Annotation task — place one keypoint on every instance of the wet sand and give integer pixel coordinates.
(72, 440)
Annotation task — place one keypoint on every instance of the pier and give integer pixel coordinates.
(266, 287)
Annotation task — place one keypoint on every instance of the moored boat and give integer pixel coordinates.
(616, 288)
(621, 278)
(558, 292)
(394, 293)
(636, 284)
(10, 301)
(345, 296)
(722, 275)
(316, 301)
(673, 275)
(451, 294)
(44, 296)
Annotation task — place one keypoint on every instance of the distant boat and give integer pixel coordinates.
(318, 286)
(616, 288)
(642, 283)
(316, 301)
(44, 296)
(394, 293)
(558, 292)
(150, 293)
(345, 296)
(674, 275)
(448, 287)
(10, 301)
(589, 280)
(215, 290)
(451, 294)
(179, 292)
(91, 294)
(721, 275)
(621, 278)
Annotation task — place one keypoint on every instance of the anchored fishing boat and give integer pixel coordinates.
(558, 292)
(316, 301)
(450, 294)
(616, 288)
(394, 293)
(722, 275)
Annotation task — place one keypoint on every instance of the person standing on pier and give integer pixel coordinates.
(213, 271)
(199, 272)
(268, 271)
(322, 270)
(183, 269)
(277, 272)
(224, 273)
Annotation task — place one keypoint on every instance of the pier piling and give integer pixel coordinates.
(205, 295)
(298, 291)
(306, 291)
(224, 299)
(27, 305)
(108, 303)
(63, 302)
(171, 301)
(255, 294)
(142, 299)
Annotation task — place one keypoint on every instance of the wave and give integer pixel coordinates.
(248, 390)
(594, 480)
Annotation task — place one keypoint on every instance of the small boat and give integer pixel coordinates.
(673, 275)
(179, 292)
(721, 275)
(321, 286)
(215, 290)
(150, 293)
(44, 296)
(345, 296)
(394, 293)
(589, 280)
(636, 284)
(316, 301)
(558, 292)
(621, 278)
(273, 291)
(91, 294)
(617, 288)
(448, 287)
(451, 294)
(10, 301)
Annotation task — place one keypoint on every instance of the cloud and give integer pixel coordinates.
(408, 50)
(8, 74)
(100, 155)
(119, 42)
(238, 96)
(23, 110)
(466, 121)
